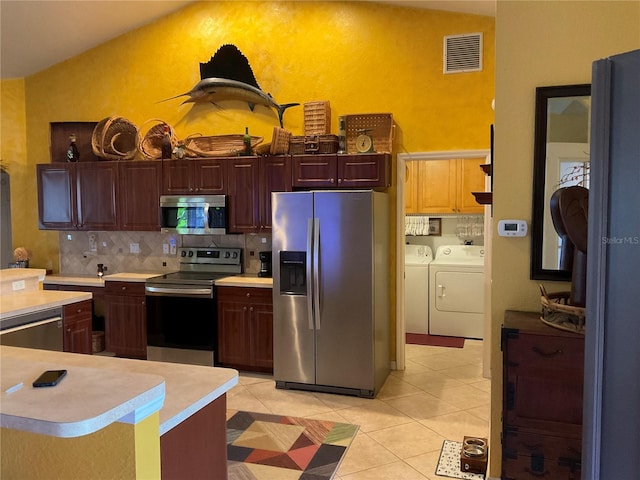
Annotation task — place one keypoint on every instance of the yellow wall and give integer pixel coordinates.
(120, 450)
(537, 44)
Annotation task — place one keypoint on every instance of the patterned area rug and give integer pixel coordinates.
(449, 462)
(262, 446)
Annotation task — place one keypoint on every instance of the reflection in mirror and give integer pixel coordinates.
(561, 159)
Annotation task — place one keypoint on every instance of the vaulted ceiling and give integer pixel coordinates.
(35, 35)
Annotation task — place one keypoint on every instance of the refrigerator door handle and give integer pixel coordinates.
(310, 272)
(316, 270)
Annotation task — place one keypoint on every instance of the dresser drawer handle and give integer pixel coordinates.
(547, 354)
(532, 447)
(536, 474)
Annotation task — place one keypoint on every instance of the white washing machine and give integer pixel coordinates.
(416, 294)
(456, 293)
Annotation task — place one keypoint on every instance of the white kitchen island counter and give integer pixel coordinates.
(122, 392)
(24, 302)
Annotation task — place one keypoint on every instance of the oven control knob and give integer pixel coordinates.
(227, 254)
(235, 255)
(183, 253)
(190, 253)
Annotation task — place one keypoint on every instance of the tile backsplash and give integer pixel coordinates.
(81, 252)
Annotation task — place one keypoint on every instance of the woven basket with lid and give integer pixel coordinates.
(114, 138)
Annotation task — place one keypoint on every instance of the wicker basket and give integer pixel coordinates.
(280, 141)
(317, 118)
(150, 143)
(377, 125)
(218, 145)
(114, 138)
(556, 312)
(321, 144)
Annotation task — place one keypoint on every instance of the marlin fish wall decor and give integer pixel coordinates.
(228, 76)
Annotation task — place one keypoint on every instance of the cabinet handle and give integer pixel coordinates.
(251, 309)
(536, 474)
(79, 310)
(332, 180)
(547, 354)
(533, 447)
(124, 288)
(248, 294)
(244, 308)
(339, 180)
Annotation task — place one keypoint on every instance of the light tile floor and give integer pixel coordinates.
(440, 396)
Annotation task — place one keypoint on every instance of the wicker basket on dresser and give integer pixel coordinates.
(542, 399)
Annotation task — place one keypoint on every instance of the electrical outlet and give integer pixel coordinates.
(263, 240)
(134, 248)
(165, 248)
(172, 249)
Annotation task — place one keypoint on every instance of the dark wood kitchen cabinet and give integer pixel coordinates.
(125, 319)
(542, 399)
(342, 171)
(251, 181)
(202, 176)
(76, 325)
(245, 328)
(78, 196)
(139, 195)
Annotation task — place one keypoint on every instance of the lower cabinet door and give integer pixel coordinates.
(125, 326)
(233, 333)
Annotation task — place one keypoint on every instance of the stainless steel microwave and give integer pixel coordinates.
(194, 215)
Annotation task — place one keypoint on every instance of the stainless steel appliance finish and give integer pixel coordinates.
(193, 215)
(42, 330)
(182, 312)
(331, 291)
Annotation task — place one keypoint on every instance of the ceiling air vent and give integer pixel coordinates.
(463, 53)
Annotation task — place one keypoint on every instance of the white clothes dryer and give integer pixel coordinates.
(456, 291)
(416, 293)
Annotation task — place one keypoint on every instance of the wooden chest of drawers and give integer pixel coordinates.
(542, 399)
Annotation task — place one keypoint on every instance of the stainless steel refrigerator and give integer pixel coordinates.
(330, 254)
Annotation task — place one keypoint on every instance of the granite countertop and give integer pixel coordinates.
(245, 280)
(97, 384)
(95, 281)
(21, 303)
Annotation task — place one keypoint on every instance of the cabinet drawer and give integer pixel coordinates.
(543, 352)
(124, 288)
(530, 444)
(77, 310)
(248, 294)
(522, 467)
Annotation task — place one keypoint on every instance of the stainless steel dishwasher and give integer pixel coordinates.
(42, 330)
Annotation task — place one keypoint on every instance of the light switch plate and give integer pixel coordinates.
(134, 248)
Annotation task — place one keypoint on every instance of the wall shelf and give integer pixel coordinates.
(483, 198)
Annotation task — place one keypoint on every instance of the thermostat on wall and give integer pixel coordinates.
(512, 228)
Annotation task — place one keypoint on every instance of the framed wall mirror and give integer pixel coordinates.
(560, 159)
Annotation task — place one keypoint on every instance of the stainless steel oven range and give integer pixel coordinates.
(182, 324)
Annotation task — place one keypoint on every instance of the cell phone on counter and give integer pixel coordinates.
(50, 378)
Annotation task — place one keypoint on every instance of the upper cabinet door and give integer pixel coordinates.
(471, 178)
(310, 171)
(364, 170)
(244, 194)
(56, 196)
(96, 195)
(275, 175)
(437, 186)
(139, 195)
(208, 176)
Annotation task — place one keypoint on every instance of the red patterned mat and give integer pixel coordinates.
(434, 340)
(263, 446)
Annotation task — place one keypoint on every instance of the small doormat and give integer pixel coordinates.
(449, 462)
(434, 340)
(263, 446)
